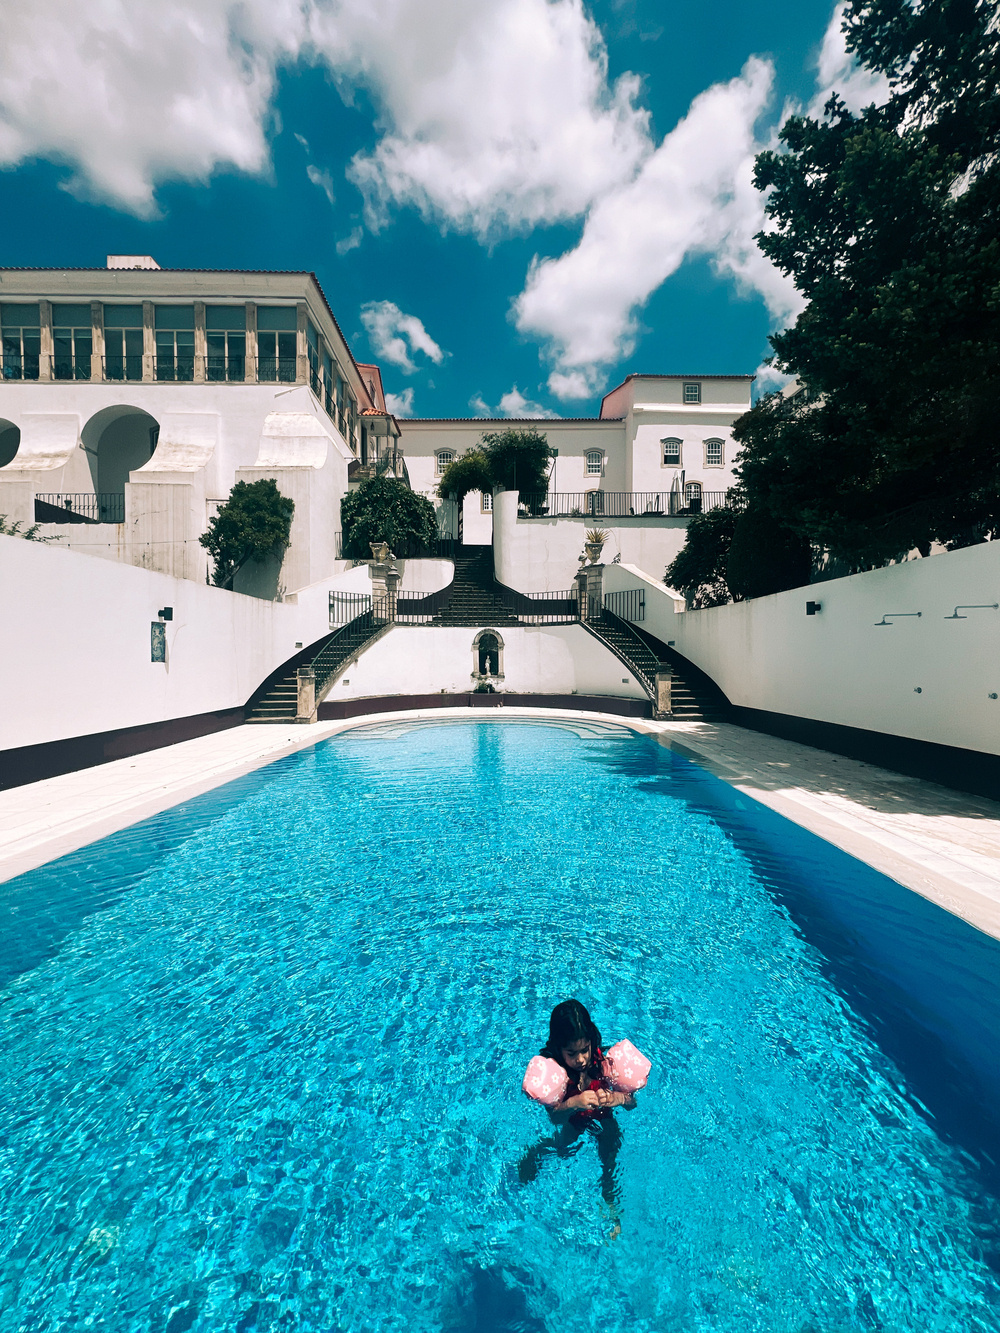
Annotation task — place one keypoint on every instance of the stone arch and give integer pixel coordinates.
(487, 656)
(10, 441)
(117, 441)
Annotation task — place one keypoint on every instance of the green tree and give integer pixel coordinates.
(470, 472)
(254, 523)
(765, 557)
(699, 569)
(384, 509)
(889, 223)
(518, 460)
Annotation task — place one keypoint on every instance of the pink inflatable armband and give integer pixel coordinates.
(545, 1081)
(627, 1068)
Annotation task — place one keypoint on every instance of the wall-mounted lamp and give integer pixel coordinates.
(972, 606)
(813, 608)
(166, 613)
(889, 616)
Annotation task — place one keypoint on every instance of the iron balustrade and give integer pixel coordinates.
(540, 608)
(71, 367)
(83, 507)
(422, 610)
(122, 368)
(174, 369)
(224, 369)
(18, 366)
(629, 604)
(347, 606)
(277, 370)
(619, 504)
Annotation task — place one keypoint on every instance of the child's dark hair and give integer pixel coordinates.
(571, 1022)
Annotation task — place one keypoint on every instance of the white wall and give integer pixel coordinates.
(840, 666)
(551, 659)
(543, 554)
(76, 644)
(661, 604)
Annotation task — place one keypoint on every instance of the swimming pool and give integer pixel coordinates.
(263, 1057)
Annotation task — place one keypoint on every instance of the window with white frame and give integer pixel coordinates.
(595, 462)
(714, 453)
(671, 453)
(487, 499)
(692, 493)
(692, 392)
(443, 458)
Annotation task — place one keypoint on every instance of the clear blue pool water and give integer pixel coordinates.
(262, 1059)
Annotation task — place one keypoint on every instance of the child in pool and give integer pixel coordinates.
(575, 1043)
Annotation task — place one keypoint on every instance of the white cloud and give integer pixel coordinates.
(480, 406)
(768, 380)
(500, 113)
(323, 181)
(512, 404)
(837, 72)
(350, 242)
(584, 303)
(400, 404)
(396, 337)
(129, 93)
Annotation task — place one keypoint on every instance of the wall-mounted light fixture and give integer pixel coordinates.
(166, 613)
(813, 608)
(972, 606)
(889, 616)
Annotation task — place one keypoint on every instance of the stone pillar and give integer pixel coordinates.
(200, 344)
(46, 345)
(148, 343)
(97, 336)
(590, 583)
(301, 344)
(251, 371)
(392, 577)
(306, 681)
(663, 705)
(378, 568)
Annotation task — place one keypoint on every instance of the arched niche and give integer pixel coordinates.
(10, 441)
(487, 655)
(117, 441)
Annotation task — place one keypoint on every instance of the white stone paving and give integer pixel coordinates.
(938, 842)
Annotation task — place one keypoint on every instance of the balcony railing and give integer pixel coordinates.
(225, 369)
(18, 367)
(71, 367)
(628, 604)
(276, 369)
(83, 507)
(173, 369)
(619, 504)
(122, 369)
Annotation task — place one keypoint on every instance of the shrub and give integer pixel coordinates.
(699, 568)
(254, 522)
(518, 460)
(14, 529)
(471, 472)
(384, 509)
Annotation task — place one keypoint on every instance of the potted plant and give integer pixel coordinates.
(594, 544)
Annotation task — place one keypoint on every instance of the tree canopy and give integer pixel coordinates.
(470, 472)
(518, 460)
(384, 509)
(889, 222)
(255, 522)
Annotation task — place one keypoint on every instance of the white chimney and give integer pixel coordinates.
(132, 261)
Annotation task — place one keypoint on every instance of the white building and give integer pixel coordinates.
(134, 397)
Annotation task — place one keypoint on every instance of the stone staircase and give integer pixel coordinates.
(476, 598)
(277, 701)
(694, 697)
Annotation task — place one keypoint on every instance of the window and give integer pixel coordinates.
(123, 342)
(714, 453)
(595, 462)
(226, 338)
(174, 342)
(671, 453)
(328, 399)
(487, 501)
(277, 343)
(692, 496)
(21, 341)
(442, 459)
(595, 502)
(72, 342)
(692, 393)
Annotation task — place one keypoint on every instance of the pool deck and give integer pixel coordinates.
(941, 843)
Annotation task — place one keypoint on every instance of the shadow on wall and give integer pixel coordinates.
(117, 441)
(10, 441)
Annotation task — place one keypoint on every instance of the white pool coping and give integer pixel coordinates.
(940, 843)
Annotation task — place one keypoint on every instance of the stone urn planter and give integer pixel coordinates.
(593, 550)
(380, 551)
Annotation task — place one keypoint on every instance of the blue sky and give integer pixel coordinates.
(510, 203)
